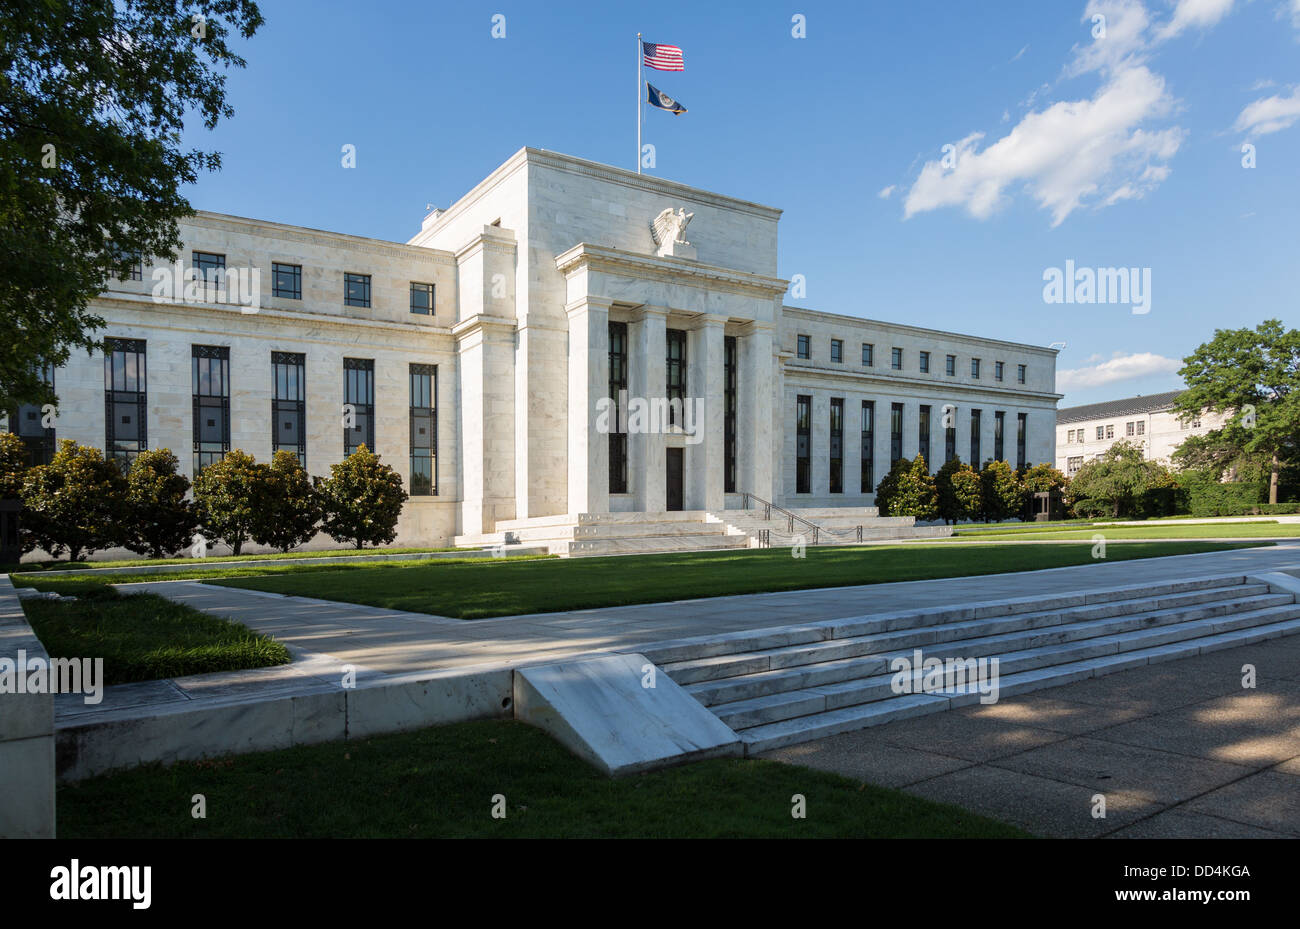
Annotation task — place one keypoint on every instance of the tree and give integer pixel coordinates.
(292, 510)
(159, 520)
(1043, 478)
(1001, 495)
(1253, 374)
(958, 491)
(909, 491)
(361, 500)
(13, 466)
(230, 494)
(92, 104)
(1117, 481)
(75, 503)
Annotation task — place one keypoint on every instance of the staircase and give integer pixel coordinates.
(782, 686)
(771, 527)
(581, 534)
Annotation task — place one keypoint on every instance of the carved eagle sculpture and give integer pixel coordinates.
(670, 226)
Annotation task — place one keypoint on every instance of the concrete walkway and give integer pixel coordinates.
(395, 641)
(1179, 750)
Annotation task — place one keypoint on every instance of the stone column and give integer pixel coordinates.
(487, 357)
(588, 485)
(759, 386)
(705, 381)
(647, 378)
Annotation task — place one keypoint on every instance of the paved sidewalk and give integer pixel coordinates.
(395, 641)
(1178, 749)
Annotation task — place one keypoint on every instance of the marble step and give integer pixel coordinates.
(793, 731)
(868, 638)
(742, 714)
(648, 545)
(749, 640)
(760, 683)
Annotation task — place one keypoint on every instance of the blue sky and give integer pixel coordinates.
(1123, 150)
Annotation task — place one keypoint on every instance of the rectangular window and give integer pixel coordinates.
(1101, 432)
(136, 271)
(210, 375)
(868, 446)
(1110, 430)
(923, 434)
(837, 351)
(837, 445)
(1022, 439)
(1130, 428)
(618, 425)
(676, 373)
(124, 399)
(27, 422)
(422, 299)
(1020, 374)
(801, 346)
(999, 426)
(1141, 428)
(1070, 436)
(729, 374)
(358, 404)
(924, 359)
(289, 404)
(975, 368)
(997, 370)
(803, 445)
(950, 366)
(896, 359)
(424, 430)
(1073, 465)
(356, 290)
(895, 432)
(286, 281)
(868, 354)
(950, 433)
(975, 451)
(211, 268)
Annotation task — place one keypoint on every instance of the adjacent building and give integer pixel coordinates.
(1086, 432)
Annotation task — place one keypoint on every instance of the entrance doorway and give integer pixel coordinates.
(674, 479)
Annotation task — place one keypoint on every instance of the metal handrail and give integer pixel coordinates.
(791, 519)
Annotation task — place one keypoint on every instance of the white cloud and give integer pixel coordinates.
(1067, 154)
(886, 192)
(1270, 114)
(1291, 7)
(1124, 43)
(1197, 14)
(1119, 367)
(1018, 54)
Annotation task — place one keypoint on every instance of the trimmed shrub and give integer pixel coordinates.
(361, 500)
(13, 466)
(958, 491)
(159, 520)
(911, 492)
(292, 510)
(229, 495)
(76, 503)
(1001, 495)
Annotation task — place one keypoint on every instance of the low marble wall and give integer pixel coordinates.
(26, 733)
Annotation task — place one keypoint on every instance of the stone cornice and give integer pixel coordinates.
(487, 242)
(856, 380)
(841, 319)
(482, 323)
(667, 270)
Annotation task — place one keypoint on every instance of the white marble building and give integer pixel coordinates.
(1086, 432)
(478, 359)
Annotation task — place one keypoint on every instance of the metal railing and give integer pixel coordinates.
(817, 532)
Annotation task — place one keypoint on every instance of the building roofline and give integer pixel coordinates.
(804, 311)
(1125, 406)
(266, 225)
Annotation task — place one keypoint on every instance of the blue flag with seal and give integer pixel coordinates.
(656, 97)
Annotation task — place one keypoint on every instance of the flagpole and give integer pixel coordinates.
(638, 103)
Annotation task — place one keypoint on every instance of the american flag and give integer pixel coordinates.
(663, 57)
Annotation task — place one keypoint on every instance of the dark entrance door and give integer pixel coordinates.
(674, 482)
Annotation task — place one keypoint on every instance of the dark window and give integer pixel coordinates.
(803, 445)
(27, 421)
(124, 399)
(975, 367)
(923, 434)
(999, 422)
(424, 430)
(358, 404)
(211, 268)
(618, 425)
(868, 354)
(801, 346)
(837, 445)
(210, 367)
(286, 281)
(136, 271)
(422, 299)
(950, 365)
(868, 446)
(975, 439)
(1020, 374)
(997, 370)
(1022, 430)
(676, 373)
(729, 382)
(356, 290)
(949, 433)
(289, 404)
(895, 432)
(896, 359)
(837, 351)
(924, 359)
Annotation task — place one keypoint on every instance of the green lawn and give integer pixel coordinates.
(1146, 531)
(38, 566)
(440, 783)
(473, 590)
(144, 637)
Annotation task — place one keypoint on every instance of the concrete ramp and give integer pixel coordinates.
(603, 710)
